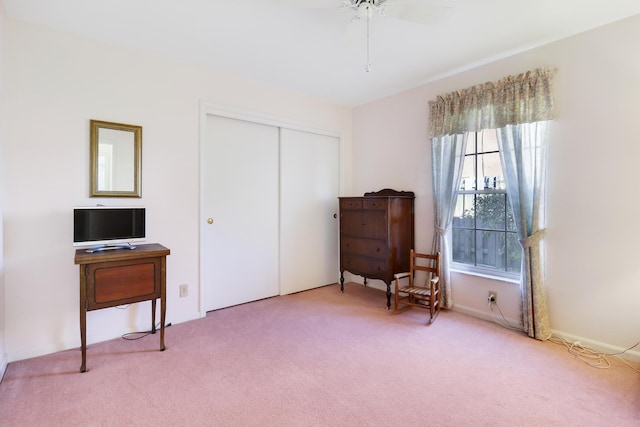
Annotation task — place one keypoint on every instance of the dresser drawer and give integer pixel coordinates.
(364, 266)
(351, 204)
(366, 247)
(374, 204)
(113, 284)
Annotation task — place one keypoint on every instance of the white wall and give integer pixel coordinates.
(593, 273)
(56, 83)
(3, 353)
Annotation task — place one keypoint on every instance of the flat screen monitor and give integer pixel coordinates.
(103, 227)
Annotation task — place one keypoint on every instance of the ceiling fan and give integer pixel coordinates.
(427, 12)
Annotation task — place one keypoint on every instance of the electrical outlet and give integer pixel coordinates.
(184, 290)
(493, 297)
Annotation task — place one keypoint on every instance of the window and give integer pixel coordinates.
(484, 237)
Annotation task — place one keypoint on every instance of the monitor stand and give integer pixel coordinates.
(110, 247)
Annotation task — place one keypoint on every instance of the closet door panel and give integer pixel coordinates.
(240, 195)
(309, 190)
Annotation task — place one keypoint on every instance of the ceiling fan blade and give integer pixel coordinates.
(308, 4)
(418, 12)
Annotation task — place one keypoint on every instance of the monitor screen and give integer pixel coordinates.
(99, 225)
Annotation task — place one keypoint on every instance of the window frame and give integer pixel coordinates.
(475, 269)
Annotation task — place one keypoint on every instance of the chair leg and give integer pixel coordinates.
(395, 298)
(434, 309)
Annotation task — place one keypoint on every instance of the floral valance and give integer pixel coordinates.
(525, 98)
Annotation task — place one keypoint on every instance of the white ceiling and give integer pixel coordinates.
(317, 51)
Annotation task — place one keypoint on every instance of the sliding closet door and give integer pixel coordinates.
(309, 187)
(240, 199)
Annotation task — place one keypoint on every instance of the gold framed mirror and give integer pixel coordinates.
(116, 159)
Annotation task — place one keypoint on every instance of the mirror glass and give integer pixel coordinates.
(115, 159)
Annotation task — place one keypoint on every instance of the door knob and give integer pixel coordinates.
(210, 221)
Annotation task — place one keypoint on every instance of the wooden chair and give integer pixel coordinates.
(427, 296)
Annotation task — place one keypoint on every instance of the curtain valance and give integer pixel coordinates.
(524, 98)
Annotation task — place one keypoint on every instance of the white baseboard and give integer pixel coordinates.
(596, 346)
(600, 347)
(492, 317)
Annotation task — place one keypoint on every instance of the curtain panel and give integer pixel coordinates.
(447, 159)
(508, 105)
(523, 153)
(525, 98)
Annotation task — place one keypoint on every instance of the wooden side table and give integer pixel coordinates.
(122, 276)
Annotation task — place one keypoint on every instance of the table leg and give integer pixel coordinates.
(163, 311)
(83, 327)
(153, 316)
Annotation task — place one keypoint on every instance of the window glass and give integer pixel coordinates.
(464, 247)
(514, 253)
(490, 172)
(483, 229)
(487, 141)
(490, 211)
(465, 211)
(468, 181)
(490, 248)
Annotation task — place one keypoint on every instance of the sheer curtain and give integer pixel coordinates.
(447, 157)
(523, 152)
(508, 105)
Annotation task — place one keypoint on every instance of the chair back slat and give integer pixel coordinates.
(432, 262)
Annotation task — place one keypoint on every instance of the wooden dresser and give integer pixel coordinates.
(376, 235)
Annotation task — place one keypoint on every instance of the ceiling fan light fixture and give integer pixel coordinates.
(366, 6)
(365, 11)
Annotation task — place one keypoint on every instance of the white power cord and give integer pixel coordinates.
(506, 322)
(585, 354)
(592, 357)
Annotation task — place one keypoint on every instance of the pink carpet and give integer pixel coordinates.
(321, 358)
